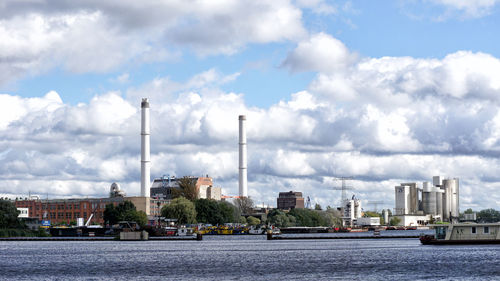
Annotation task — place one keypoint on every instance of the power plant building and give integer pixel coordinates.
(290, 200)
(163, 188)
(352, 211)
(438, 201)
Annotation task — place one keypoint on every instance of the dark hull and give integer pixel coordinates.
(459, 242)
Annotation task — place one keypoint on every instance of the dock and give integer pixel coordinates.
(103, 238)
(285, 237)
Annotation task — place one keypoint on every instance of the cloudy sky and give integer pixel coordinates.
(383, 91)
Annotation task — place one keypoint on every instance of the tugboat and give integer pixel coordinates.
(463, 233)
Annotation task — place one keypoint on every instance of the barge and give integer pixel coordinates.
(463, 233)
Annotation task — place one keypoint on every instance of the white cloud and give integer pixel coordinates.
(470, 8)
(321, 53)
(95, 36)
(382, 120)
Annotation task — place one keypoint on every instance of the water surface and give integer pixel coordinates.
(247, 258)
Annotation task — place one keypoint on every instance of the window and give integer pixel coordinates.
(486, 230)
(473, 230)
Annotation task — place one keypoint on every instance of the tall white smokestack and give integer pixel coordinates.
(243, 158)
(145, 151)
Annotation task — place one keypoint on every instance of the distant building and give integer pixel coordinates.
(438, 201)
(163, 188)
(368, 221)
(67, 210)
(351, 211)
(23, 212)
(290, 200)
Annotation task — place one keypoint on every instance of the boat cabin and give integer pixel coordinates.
(467, 231)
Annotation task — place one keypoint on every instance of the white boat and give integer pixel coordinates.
(463, 233)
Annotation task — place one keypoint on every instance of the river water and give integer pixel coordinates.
(247, 258)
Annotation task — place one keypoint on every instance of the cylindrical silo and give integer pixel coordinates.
(450, 199)
(439, 202)
(451, 189)
(385, 214)
(429, 199)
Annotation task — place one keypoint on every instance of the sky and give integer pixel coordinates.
(385, 92)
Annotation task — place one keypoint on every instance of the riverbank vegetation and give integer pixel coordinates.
(11, 225)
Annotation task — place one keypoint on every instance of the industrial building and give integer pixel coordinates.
(290, 200)
(438, 201)
(162, 188)
(351, 211)
(68, 210)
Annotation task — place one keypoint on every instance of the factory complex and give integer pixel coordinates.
(414, 205)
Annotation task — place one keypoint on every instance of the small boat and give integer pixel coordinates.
(463, 233)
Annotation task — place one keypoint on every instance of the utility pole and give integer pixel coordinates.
(375, 204)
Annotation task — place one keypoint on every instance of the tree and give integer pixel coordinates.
(468, 211)
(187, 189)
(317, 207)
(229, 212)
(9, 215)
(488, 215)
(394, 221)
(280, 219)
(208, 211)
(125, 211)
(306, 217)
(253, 220)
(181, 209)
(244, 204)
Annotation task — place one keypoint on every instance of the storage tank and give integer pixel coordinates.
(439, 202)
(428, 199)
(451, 191)
(385, 214)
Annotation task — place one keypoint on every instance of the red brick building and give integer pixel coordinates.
(67, 210)
(290, 200)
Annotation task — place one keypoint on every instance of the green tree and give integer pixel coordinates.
(306, 217)
(488, 215)
(242, 220)
(280, 219)
(125, 211)
(181, 209)
(253, 220)
(317, 207)
(187, 189)
(468, 211)
(208, 211)
(331, 217)
(9, 215)
(394, 221)
(229, 212)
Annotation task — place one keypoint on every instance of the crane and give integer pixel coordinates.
(308, 203)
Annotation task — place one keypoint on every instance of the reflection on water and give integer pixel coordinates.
(247, 258)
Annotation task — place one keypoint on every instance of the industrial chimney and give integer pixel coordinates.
(145, 151)
(243, 158)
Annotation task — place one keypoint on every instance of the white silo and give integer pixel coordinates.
(439, 201)
(450, 199)
(429, 199)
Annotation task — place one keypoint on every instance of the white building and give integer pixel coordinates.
(352, 211)
(416, 205)
(368, 221)
(23, 212)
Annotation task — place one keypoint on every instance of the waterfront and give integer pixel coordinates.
(247, 258)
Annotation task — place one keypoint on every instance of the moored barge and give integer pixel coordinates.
(463, 233)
